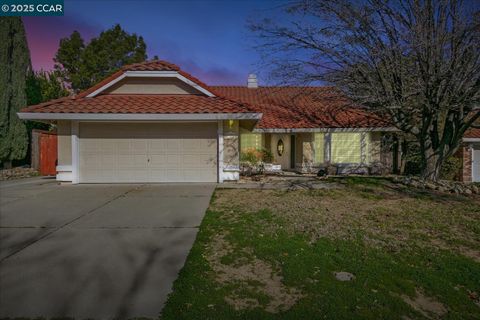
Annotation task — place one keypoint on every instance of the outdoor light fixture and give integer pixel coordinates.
(230, 123)
(280, 147)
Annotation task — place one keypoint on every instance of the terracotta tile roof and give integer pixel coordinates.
(472, 133)
(302, 107)
(141, 104)
(153, 65)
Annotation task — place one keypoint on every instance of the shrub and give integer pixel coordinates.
(450, 168)
(267, 156)
(413, 160)
(251, 155)
(255, 156)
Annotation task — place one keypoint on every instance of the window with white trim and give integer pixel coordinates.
(319, 145)
(346, 147)
(250, 141)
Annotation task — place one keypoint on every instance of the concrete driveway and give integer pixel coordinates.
(94, 251)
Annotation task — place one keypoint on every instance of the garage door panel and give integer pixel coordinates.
(156, 146)
(173, 159)
(159, 152)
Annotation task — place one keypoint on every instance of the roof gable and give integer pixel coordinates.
(155, 69)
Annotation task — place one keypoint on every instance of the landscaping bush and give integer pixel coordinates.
(413, 160)
(413, 164)
(252, 161)
(256, 155)
(451, 168)
(252, 156)
(267, 156)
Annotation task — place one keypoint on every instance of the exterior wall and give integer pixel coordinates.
(64, 143)
(375, 148)
(231, 151)
(466, 154)
(304, 152)
(373, 152)
(151, 86)
(64, 166)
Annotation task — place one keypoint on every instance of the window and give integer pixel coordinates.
(250, 141)
(319, 145)
(346, 147)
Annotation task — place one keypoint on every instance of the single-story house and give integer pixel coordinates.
(153, 122)
(470, 155)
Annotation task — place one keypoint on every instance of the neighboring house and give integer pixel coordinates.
(470, 155)
(152, 122)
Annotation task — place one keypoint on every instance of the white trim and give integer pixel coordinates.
(284, 130)
(471, 139)
(64, 173)
(138, 116)
(155, 74)
(231, 176)
(64, 168)
(75, 152)
(220, 151)
(106, 86)
(231, 167)
(472, 165)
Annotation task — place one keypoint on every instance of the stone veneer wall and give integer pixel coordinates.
(231, 154)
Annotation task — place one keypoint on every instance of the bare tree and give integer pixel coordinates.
(415, 62)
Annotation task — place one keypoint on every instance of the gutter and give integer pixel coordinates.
(371, 129)
(138, 116)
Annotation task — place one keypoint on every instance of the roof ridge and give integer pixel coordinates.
(173, 66)
(267, 87)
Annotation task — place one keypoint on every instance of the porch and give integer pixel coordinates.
(332, 151)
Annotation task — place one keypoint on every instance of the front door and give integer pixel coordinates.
(281, 150)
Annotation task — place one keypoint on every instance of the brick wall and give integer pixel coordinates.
(467, 164)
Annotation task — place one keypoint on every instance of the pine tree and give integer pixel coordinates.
(14, 68)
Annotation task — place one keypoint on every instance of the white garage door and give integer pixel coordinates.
(154, 152)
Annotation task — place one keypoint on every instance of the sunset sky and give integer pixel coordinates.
(206, 38)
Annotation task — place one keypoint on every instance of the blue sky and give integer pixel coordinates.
(207, 38)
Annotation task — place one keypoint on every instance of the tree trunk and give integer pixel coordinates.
(7, 165)
(432, 162)
(404, 154)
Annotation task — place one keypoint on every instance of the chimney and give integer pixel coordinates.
(252, 81)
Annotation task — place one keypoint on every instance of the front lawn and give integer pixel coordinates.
(276, 254)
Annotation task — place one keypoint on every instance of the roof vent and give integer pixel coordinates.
(252, 81)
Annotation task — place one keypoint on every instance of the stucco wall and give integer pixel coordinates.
(375, 147)
(64, 143)
(151, 86)
(304, 151)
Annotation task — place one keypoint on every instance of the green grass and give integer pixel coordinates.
(393, 252)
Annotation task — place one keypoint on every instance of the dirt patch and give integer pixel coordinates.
(254, 275)
(427, 306)
(383, 218)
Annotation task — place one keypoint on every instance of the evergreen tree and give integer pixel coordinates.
(82, 65)
(43, 86)
(14, 68)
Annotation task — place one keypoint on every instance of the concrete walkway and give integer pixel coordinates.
(94, 251)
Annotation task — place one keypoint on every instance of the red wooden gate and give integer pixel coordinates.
(48, 154)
